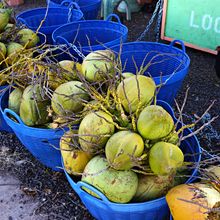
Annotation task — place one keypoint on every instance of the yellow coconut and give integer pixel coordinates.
(193, 202)
(74, 159)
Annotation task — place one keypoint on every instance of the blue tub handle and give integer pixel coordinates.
(13, 114)
(62, 40)
(74, 4)
(180, 42)
(65, 2)
(81, 184)
(21, 20)
(69, 3)
(113, 16)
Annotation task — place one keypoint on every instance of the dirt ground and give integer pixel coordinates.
(44, 194)
(14, 203)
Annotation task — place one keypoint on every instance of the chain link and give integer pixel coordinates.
(79, 53)
(157, 9)
(70, 14)
(159, 20)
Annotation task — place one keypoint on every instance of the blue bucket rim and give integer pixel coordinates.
(130, 205)
(45, 8)
(65, 10)
(90, 21)
(165, 77)
(160, 44)
(81, 7)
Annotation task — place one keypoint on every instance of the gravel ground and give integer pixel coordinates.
(14, 202)
(57, 199)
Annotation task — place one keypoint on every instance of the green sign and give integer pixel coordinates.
(196, 22)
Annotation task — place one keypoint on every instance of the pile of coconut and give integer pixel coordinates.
(36, 92)
(14, 41)
(121, 140)
(125, 144)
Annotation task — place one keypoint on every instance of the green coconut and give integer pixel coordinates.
(71, 67)
(97, 65)
(122, 147)
(33, 108)
(94, 131)
(28, 38)
(136, 92)
(3, 51)
(127, 75)
(68, 98)
(13, 50)
(53, 80)
(117, 186)
(165, 158)
(4, 19)
(152, 187)
(9, 26)
(154, 122)
(14, 100)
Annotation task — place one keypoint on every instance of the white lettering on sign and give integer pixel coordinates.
(192, 20)
(217, 25)
(207, 22)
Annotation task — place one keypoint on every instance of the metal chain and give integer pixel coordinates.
(72, 45)
(70, 14)
(158, 5)
(208, 133)
(159, 20)
(80, 54)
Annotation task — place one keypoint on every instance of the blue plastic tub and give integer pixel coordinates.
(3, 125)
(103, 209)
(43, 144)
(55, 18)
(170, 66)
(91, 35)
(90, 8)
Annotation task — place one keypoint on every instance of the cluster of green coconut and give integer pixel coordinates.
(38, 103)
(13, 40)
(119, 140)
(126, 146)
